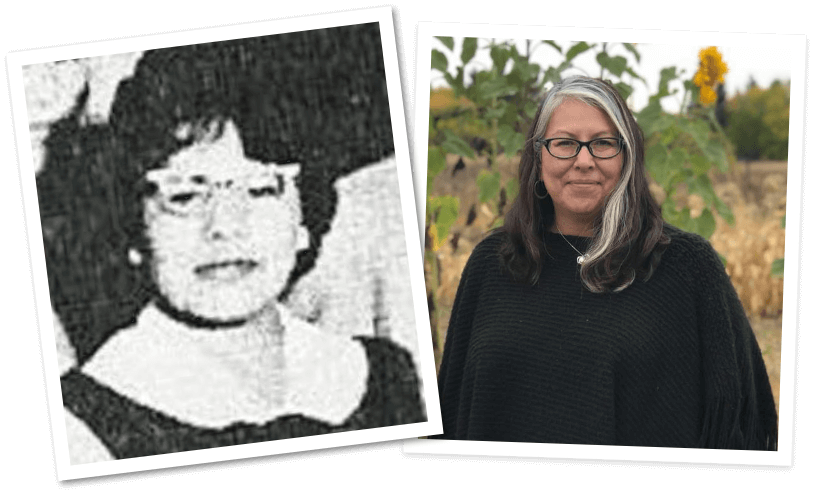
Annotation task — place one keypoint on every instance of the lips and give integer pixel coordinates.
(229, 270)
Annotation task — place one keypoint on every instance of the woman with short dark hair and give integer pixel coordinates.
(586, 319)
(189, 215)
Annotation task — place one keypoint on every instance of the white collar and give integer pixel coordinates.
(206, 377)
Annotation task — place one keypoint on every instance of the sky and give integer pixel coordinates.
(764, 64)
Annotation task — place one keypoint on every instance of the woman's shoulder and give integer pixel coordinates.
(687, 245)
(393, 382)
(693, 255)
(487, 249)
(387, 356)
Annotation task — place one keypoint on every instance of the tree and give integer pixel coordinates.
(758, 121)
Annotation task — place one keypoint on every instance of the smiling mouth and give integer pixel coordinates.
(226, 270)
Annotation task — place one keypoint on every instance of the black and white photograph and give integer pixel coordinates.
(623, 301)
(231, 253)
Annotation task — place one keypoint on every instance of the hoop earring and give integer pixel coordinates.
(537, 194)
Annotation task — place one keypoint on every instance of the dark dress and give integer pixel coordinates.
(128, 429)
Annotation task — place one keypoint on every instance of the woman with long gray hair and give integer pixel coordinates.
(586, 319)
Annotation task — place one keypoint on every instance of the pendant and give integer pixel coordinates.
(581, 260)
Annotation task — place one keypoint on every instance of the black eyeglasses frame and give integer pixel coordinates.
(581, 144)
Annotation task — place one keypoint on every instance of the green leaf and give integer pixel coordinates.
(678, 176)
(495, 88)
(615, 65)
(447, 41)
(436, 163)
(500, 55)
(496, 112)
(677, 159)
(657, 158)
(723, 210)
(666, 76)
(553, 74)
(782, 221)
(668, 205)
(510, 140)
(448, 210)
(444, 211)
(699, 164)
(511, 116)
(698, 129)
(778, 268)
(469, 46)
(512, 189)
(514, 54)
(439, 61)
(577, 49)
(648, 115)
(653, 120)
(702, 186)
(716, 152)
(455, 145)
(624, 89)
(523, 73)
(456, 83)
(553, 44)
(631, 48)
(489, 185)
(631, 71)
(705, 224)
(530, 108)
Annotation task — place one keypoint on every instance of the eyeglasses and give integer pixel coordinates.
(603, 147)
(186, 196)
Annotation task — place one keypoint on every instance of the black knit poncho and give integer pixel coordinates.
(668, 362)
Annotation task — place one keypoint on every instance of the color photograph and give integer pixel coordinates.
(605, 241)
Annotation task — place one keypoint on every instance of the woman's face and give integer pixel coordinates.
(224, 230)
(579, 185)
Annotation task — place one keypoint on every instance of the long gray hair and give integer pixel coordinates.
(628, 234)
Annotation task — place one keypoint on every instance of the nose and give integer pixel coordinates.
(226, 218)
(584, 159)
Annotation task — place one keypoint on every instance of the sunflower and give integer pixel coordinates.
(710, 72)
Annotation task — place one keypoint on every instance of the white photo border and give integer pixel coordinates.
(793, 44)
(426, 367)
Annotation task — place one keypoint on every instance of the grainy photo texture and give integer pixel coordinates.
(224, 243)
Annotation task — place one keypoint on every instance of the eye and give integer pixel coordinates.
(610, 142)
(268, 189)
(183, 198)
(264, 191)
(564, 143)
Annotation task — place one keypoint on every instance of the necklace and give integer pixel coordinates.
(581, 257)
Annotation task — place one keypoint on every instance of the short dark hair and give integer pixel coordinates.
(628, 237)
(318, 98)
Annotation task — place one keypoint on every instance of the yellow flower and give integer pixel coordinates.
(711, 72)
(707, 95)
